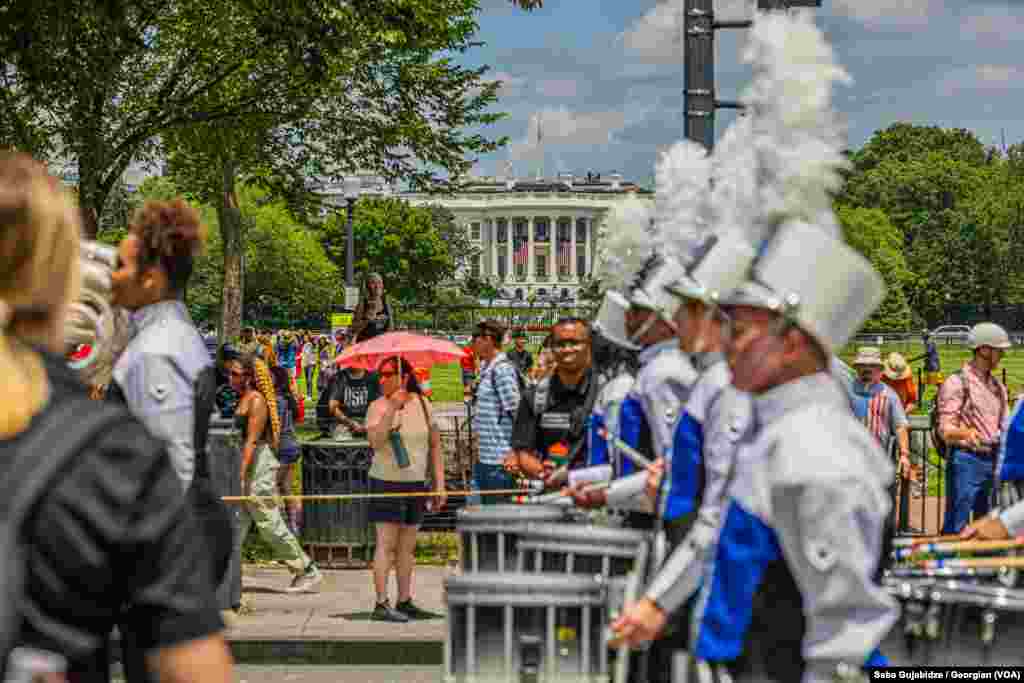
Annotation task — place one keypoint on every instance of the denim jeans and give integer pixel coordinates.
(492, 478)
(968, 488)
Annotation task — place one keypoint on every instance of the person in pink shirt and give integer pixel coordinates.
(972, 408)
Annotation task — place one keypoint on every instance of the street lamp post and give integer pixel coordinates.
(351, 190)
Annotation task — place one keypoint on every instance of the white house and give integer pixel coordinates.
(537, 236)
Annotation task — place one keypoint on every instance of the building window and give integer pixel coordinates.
(502, 231)
(519, 295)
(540, 260)
(581, 263)
(541, 230)
(502, 265)
(474, 231)
(475, 266)
(565, 294)
(581, 231)
(541, 293)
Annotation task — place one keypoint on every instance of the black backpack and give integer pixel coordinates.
(28, 466)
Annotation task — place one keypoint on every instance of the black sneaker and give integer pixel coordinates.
(412, 611)
(384, 612)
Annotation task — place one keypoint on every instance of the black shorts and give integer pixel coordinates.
(398, 510)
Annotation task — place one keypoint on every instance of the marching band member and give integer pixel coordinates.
(691, 483)
(156, 375)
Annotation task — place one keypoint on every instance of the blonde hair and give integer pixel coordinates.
(265, 385)
(39, 273)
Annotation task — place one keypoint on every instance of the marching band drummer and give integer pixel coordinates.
(690, 484)
(791, 593)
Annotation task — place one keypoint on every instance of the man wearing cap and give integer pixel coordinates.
(899, 378)
(791, 593)
(691, 489)
(878, 407)
(972, 407)
(520, 357)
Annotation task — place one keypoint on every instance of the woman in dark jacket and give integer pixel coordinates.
(373, 314)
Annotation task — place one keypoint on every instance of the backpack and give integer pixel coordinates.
(494, 386)
(28, 467)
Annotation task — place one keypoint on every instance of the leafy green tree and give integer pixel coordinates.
(902, 142)
(870, 232)
(403, 243)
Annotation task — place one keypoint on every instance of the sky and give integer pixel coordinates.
(604, 77)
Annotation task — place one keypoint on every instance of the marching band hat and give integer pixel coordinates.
(611, 320)
(649, 290)
(721, 265)
(814, 280)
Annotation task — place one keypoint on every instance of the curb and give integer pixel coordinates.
(339, 652)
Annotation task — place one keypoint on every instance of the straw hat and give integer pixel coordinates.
(896, 367)
(868, 355)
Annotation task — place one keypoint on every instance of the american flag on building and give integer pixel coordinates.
(521, 255)
(564, 257)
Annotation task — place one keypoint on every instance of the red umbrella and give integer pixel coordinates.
(419, 350)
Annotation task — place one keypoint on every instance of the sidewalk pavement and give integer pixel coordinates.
(334, 626)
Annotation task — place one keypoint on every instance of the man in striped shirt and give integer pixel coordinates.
(878, 407)
(497, 400)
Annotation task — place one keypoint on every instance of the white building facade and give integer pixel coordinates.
(537, 237)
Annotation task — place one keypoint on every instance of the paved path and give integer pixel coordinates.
(340, 611)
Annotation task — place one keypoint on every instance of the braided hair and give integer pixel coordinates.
(260, 373)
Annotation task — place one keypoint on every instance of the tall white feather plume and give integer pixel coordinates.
(683, 185)
(626, 239)
(735, 195)
(796, 135)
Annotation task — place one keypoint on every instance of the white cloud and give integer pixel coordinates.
(558, 87)
(510, 85)
(1000, 23)
(560, 126)
(990, 78)
(658, 35)
(876, 13)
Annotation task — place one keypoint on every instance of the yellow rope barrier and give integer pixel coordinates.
(367, 496)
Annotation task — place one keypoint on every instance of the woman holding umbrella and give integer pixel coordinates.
(406, 442)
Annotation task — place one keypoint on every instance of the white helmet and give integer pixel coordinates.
(988, 334)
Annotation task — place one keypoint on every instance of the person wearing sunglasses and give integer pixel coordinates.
(406, 450)
(550, 431)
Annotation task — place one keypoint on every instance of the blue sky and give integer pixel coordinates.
(605, 76)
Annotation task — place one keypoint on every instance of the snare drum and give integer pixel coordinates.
(489, 533)
(956, 623)
(581, 549)
(509, 626)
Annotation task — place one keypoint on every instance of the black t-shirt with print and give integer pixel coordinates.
(355, 394)
(563, 420)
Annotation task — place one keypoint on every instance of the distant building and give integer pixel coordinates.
(537, 236)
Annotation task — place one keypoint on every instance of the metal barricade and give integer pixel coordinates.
(336, 530)
(921, 511)
(224, 457)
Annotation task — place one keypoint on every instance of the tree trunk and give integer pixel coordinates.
(229, 217)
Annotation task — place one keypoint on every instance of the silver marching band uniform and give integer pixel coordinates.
(157, 376)
(791, 592)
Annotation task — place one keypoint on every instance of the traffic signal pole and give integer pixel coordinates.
(699, 101)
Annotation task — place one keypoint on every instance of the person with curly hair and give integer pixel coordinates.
(156, 374)
(259, 422)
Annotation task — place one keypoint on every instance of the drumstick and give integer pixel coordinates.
(558, 495)
(975, 563)
(919, 540)
(638, 458)
(905, 573)
(957, 547)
